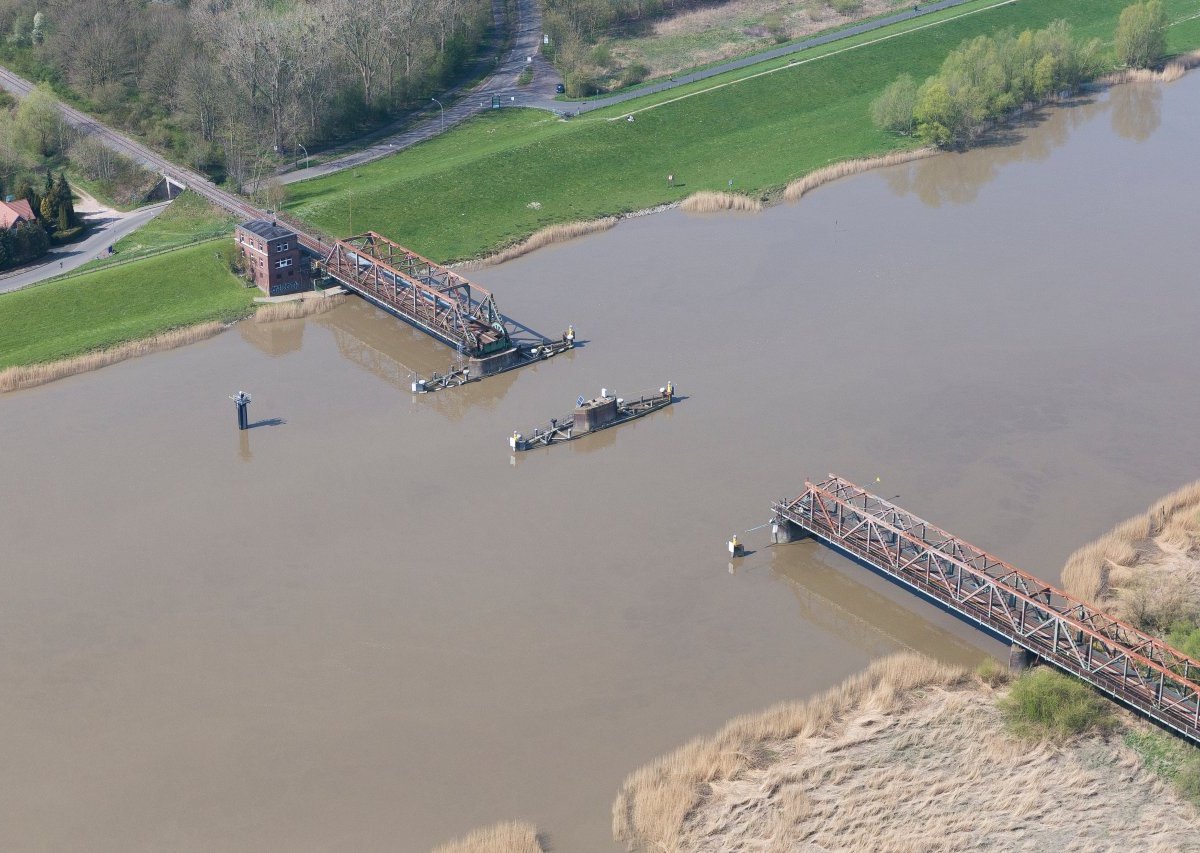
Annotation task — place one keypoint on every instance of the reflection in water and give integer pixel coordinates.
(397, 353)
(829, 596)
(276, 338)
(1136, 110)
(244, 445)
(957, 178)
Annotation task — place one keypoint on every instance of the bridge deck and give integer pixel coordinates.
(1128, 664)
(431, 297)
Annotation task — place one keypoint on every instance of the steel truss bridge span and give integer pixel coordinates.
(428, 295)
(1130, 665)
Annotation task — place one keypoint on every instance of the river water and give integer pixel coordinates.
(362, 625)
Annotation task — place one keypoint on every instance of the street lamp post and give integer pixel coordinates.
(443, 112)
(305, 150)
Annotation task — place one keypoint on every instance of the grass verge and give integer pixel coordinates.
(100, 309)
(472, 190)
(188, 219)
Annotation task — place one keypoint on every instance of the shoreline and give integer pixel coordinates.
(21, 377)
(24, 376)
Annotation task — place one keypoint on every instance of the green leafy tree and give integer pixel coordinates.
(893, 109)
(935, 113)
(38, 125)
(64, 219)
(1141, 37)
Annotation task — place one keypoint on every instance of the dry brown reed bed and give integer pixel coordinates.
(819, 177)
(1169, 73)
(545, 237)
(709, 201)
(27, 376)
(273, 311)
(909, 755)
(1147, 569)
(511, 837)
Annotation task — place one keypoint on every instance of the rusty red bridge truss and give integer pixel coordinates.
(428, 295)
(1128, 664)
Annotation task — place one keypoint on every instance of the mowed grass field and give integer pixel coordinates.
(472, 189)
(80, 313)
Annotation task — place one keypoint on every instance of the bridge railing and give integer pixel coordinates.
(1115, 657)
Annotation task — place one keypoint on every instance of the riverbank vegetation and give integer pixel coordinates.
(512, 837)
(602, 46)
(468, 192)
(909, 755)
(226, 86)
(986, 79)
(78, 314)
(1146, 571)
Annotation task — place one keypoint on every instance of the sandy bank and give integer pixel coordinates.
(909, 755)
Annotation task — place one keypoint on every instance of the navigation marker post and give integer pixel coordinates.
(242, 401)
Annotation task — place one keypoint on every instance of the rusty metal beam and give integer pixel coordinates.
(429, 296)
(1128, 664)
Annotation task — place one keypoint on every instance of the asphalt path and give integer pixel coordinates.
(502, 83)
(540, 93)
(107, 228)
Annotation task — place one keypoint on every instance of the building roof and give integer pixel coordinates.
(267, 230)
(14, 212)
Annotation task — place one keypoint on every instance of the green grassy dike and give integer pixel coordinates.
(468, 192)
(79, 313)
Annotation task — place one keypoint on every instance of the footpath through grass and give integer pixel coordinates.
(190, 218)
(73, 315)
(473, 189)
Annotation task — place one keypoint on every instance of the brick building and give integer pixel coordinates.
(273, 258)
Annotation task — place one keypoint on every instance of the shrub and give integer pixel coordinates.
(526, 76)
(1044, 703)
(845, 7)
(1185, 636)
(66, 235)
(634, 74)
(893, 109)
(1141, 37)
(992, 673)
(1187, 780)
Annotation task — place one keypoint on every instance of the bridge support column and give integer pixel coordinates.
(1020, 659)
(489, 364)
(784, 531)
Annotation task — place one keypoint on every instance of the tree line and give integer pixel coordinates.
(228, 85)
(988, 77)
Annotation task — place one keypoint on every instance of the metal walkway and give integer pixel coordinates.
(429, 296)
(1130, 665)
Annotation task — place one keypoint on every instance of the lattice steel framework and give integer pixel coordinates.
(427, 295)
(1128, 664)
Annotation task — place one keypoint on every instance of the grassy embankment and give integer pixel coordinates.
(912, 755)
(188, 219)
(161, 278)
(82, 313)
(473, 190)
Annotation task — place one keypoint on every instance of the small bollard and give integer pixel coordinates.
(242, 401)
(736, 548)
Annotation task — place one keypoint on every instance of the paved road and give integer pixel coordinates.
(109, 228)
(540, 94)
(502, 82)
(573, 108)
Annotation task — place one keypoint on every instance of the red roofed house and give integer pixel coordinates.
(13, 213)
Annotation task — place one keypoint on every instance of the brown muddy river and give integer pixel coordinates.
(363, 626)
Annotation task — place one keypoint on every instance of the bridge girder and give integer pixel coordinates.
(1119, 659)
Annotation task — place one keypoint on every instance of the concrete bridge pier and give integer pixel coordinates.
(784, 531)
(1020, 659)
